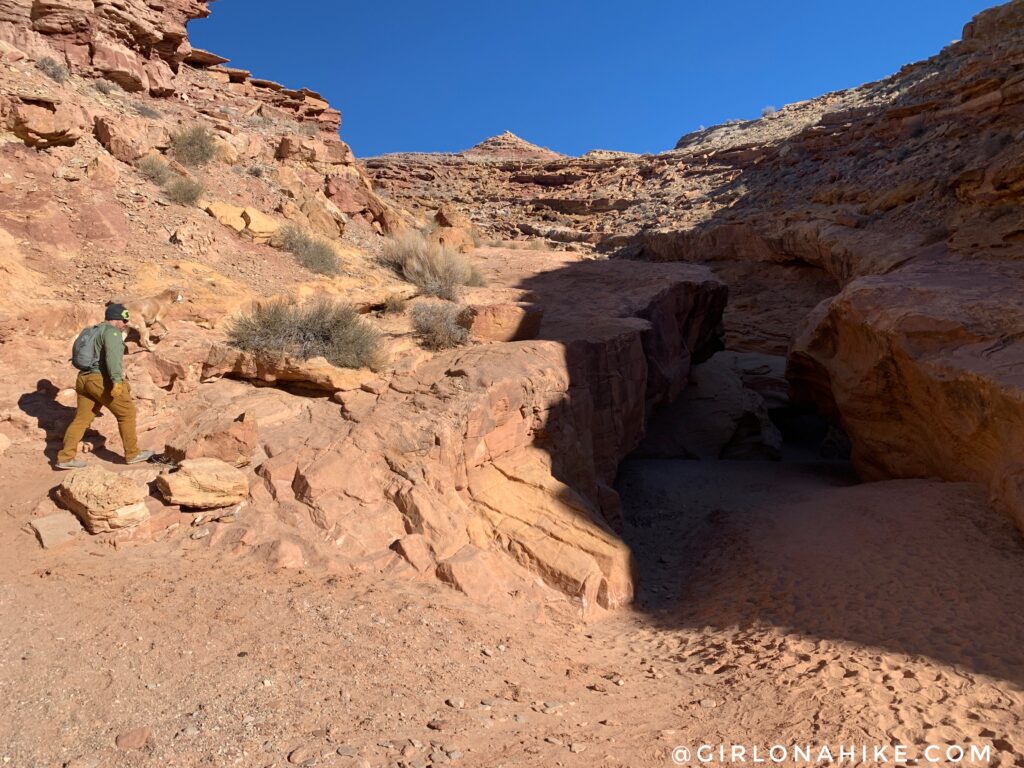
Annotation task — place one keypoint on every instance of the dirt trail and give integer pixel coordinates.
(779, 605)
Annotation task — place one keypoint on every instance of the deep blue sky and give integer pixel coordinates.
(573, 75)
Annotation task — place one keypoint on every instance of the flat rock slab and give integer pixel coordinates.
(56, 529)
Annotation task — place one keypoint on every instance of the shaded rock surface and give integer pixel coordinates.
(716, 417)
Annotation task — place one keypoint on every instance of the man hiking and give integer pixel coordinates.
(98, 354)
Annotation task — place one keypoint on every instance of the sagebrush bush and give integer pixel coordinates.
(193, 146)
(53, 69)
(183, 191)
(435, 270)
(107, 87)
(315, 255)
(437, 324)
(256, 171)
(318, 328)
(147, 111)
(154, 169)
(394, 304)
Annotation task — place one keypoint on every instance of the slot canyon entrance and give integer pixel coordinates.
(791, 602)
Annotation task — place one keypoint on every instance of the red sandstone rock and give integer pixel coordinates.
(212, 435)
(505, 322)
(47, 122)
(203, 483)
(127, 138)
(104, 500)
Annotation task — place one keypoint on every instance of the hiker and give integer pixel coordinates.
(98, 354)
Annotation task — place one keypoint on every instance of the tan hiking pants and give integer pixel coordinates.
(93, 395)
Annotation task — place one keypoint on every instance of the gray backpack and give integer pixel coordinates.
(84, 355)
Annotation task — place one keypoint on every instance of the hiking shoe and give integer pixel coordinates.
(73, 464)
(140, 457)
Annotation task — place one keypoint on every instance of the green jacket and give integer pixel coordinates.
(110, 353)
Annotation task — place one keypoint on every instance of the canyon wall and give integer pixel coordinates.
(875, 235)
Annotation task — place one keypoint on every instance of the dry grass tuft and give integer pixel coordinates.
(183, 191)
(315, 255)
(193, 146)
(437, 271)
(318, 328)
(154, 169)
(437, 324)
(53, 69)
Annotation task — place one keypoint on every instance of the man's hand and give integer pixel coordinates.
(117, 389)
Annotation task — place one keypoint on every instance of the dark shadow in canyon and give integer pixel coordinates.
(914, 567)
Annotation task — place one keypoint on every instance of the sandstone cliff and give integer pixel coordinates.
(873, 233)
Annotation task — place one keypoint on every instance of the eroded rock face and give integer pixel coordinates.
(104, 500)
(924, 370)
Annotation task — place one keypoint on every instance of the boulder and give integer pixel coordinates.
(204, 483)
(482, 576)
(453, 238)
(447, 216)
(227, 214)
(259, 226)
(125, 138)
(715, 418)
(43, 122)
(102, 170)
(161, 78)
(505, 322)
(761, 373)
(322, 215)
(416, 551)
(121, 65)
(104, 500)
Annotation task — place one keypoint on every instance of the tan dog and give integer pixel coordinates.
(149, 311)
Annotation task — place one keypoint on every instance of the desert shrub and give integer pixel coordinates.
(107, 87)
(394, 304)
(193, 146)
(768, 111)
(53, 69)
(315, 255)
(437, 324)
(154, 169)
(147, 111)
(183, 191)
(258, 121)
(435, 270)
(256, 171)
(319, 328)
